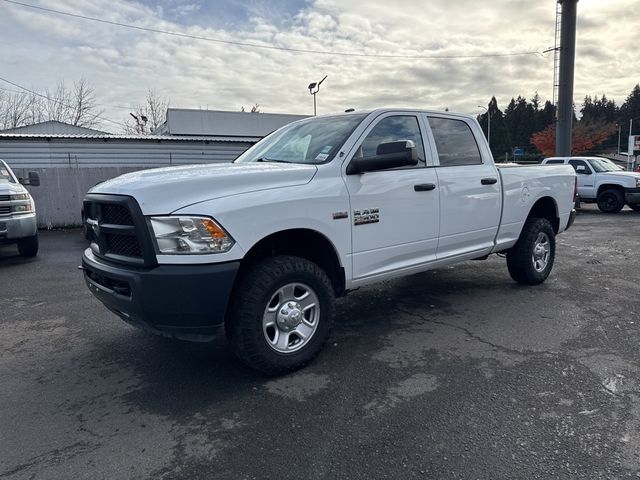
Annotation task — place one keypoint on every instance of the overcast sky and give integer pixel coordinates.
(38, 48)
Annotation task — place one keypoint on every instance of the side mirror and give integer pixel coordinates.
(33, 180)
(402, 153)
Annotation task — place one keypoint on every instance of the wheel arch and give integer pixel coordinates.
(300, 242)
(609, 186)
(546, 207)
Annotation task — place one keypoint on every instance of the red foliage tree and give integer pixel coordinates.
(584, 138)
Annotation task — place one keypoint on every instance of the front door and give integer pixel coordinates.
(395, 212)
(586, 178)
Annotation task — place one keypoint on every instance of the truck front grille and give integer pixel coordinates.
(123, 245)
(5, 209)
(116, 215)
(5, 198)
(117, 229)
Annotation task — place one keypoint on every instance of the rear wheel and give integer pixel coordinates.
(281, 314)
(610, 201)
(28, 246)
(531, 259)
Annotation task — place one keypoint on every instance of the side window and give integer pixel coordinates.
(455, 142)
(393, 129)
(550, 162)
(580, 163)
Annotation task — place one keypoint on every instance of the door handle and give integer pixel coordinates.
(489, 181)
(424, 187)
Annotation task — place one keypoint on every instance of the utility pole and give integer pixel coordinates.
(565, 90)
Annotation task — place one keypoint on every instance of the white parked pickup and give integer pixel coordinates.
(18, 211)
(262, 246)
(601, 181)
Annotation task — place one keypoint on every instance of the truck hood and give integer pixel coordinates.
(8, 188)
(164, 190)
(628, 178)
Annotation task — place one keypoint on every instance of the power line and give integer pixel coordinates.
(106, 105)
(267, 47)
(33, 92)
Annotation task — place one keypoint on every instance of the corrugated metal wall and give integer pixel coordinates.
(26, 152)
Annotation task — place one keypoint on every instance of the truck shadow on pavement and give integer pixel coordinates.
(177, 376)
(9, 256)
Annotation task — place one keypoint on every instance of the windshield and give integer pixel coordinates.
(602, 165)
(312, 141)
(5, 175)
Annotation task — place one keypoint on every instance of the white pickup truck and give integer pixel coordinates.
(262, 246)
(18, 211)
(602, 181)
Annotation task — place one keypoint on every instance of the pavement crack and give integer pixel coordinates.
(53, 454)
(467, 332)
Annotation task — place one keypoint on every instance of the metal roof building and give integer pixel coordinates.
(187, 136)
(183, 121)
(105, 150)
(53, 127)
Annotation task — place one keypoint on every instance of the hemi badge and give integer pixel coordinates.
(339, 215)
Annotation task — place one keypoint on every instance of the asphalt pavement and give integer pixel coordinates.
(455, 373)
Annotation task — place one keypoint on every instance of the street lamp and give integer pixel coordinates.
(314, 88)
(488, 125)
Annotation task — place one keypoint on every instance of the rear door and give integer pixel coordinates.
(586, 178)
(469, 188)
(395, 212)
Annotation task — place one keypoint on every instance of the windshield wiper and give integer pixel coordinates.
(274, 160)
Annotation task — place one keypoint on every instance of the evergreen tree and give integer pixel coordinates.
(630, 109)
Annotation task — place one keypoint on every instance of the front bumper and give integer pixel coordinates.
(180, 301)
(632, 196)
(18, 226)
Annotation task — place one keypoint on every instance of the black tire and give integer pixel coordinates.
(28, 246)
(610, 201)
(252, 294)
(521, 257)
(635, 207)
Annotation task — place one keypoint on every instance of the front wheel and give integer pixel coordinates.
(280, 315)
(531, 259)
(28, 246)
(611, 201)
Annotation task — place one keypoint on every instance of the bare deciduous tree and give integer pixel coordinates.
(76, 105)
(255, 108)
(15, 109)
(148, 117)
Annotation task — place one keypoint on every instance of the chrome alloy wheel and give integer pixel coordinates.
(291, 317)
(541, 252)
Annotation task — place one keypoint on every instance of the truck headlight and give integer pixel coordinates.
(177, 235)
(20, 196)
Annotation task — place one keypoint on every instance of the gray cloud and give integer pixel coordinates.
(39, 48)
